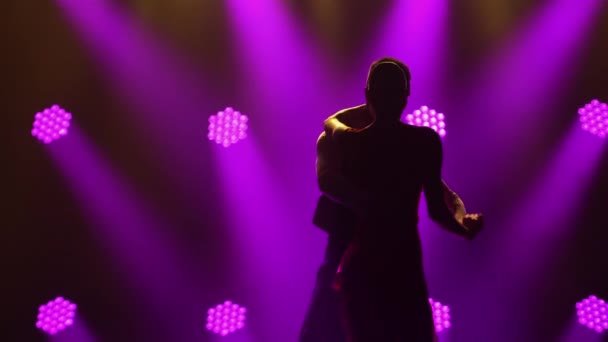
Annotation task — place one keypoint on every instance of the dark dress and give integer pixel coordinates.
(381, 277)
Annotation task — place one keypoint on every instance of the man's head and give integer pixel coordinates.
(388, 88)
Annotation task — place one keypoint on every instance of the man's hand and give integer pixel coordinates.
(333, 127)
(346, 131)
(473, 223)
(349, 137)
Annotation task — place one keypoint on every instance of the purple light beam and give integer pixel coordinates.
(133, 236)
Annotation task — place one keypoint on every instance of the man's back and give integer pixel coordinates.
(390, 165)
(382, 274)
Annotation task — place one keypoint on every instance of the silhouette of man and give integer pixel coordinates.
(387, 165)
(335, 214)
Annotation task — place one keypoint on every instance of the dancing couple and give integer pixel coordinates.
(371, 170)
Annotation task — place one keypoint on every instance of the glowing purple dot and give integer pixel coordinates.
(425, 117)
(55, 316)
(225, 318)
(590, 313)
(51, 124)
(227, 127)
(441, 315)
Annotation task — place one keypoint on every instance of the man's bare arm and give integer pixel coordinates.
(435, 190)
(454, 202)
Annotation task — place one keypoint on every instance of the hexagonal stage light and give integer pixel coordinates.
(592, 312)
(51, 124)
(427, 117)
(56, 315)
(226, 318)
(594, 118)
(227, 127)
(441, 316)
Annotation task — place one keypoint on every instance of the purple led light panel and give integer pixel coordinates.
(51, 124)
(441, 315)
(594, 118)
(226, 318)
(56, 315)
(427, 118)
(227, 127)
(592, 312)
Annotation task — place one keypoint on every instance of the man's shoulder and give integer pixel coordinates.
(322, 137)
(324, 141)
(352, 111)
(420, 132)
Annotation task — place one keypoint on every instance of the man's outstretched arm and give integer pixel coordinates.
(473, 222)
(454, 202)
(436, 194)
